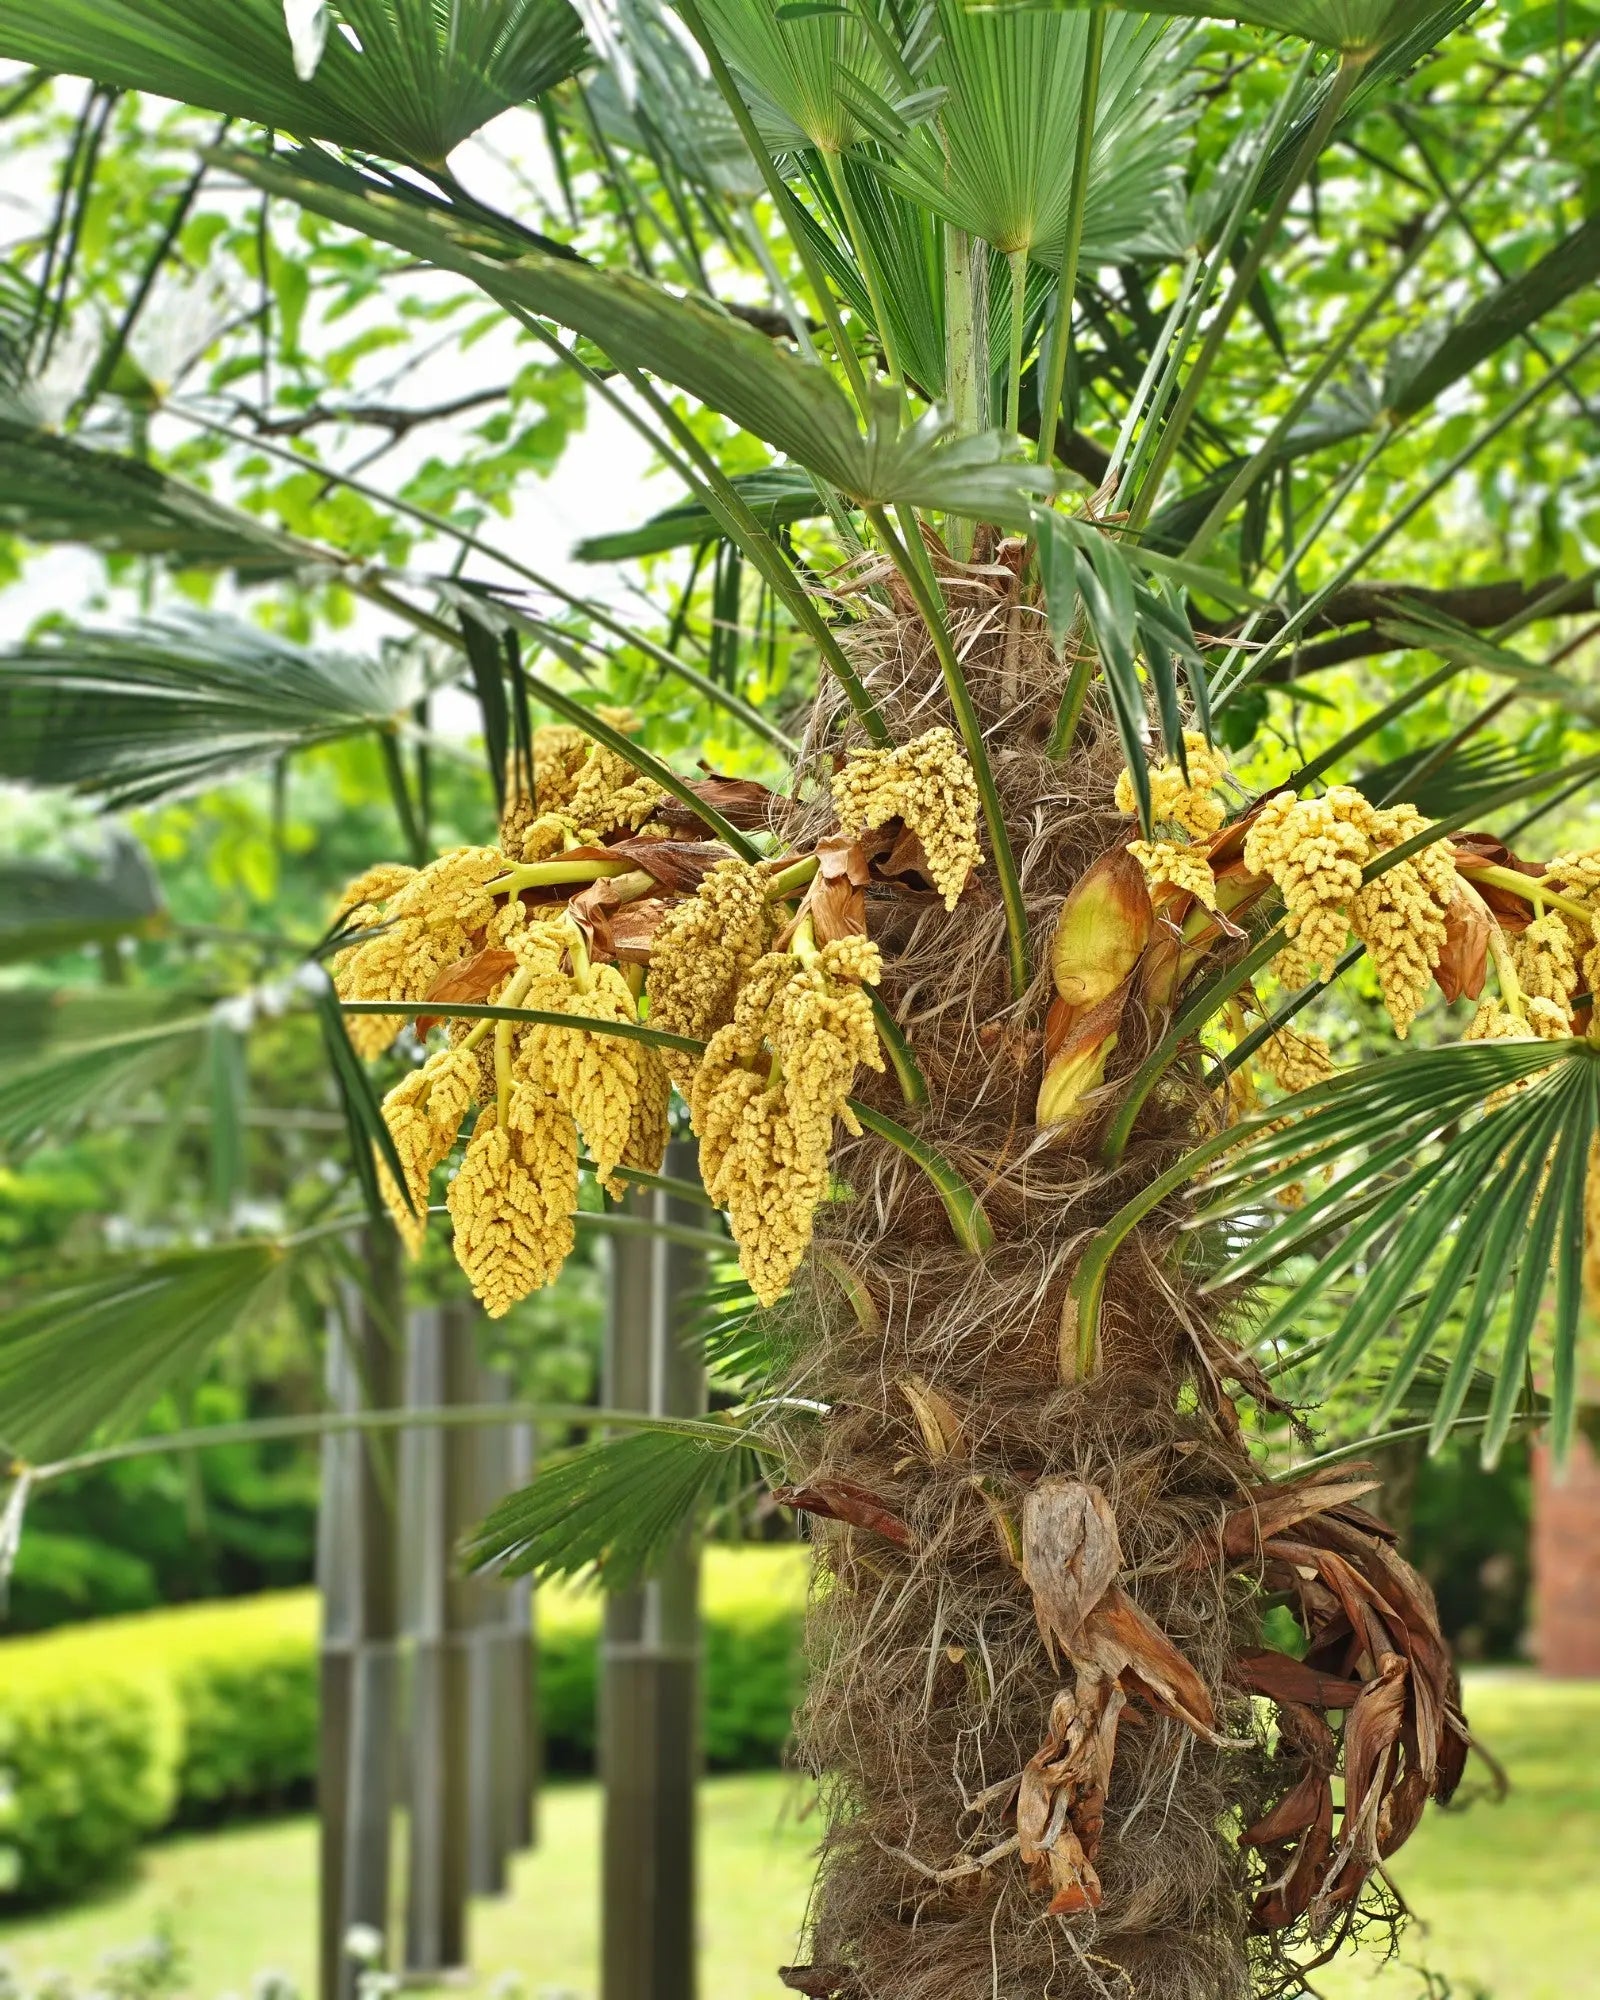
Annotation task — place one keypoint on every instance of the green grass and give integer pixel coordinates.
(1510, 1892)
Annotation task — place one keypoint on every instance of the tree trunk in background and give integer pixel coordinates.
(649, 1734)
(358, 1575)
(1566, 1564)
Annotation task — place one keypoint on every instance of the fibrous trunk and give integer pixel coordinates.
(953, 1398)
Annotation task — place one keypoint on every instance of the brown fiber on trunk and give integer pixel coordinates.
(930, 1686)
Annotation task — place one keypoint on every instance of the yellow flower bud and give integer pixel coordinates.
(423, 1113)
(512, 1203)
(1179, 801)
(766, 1096)
(1295, 1061)
(701, 953)
(928, 783)
(430, 919)
(1184, 867)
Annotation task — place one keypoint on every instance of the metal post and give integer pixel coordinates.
(436, 1901)
(499, 1639)
(517, 1650)
(358, 1575)
(649, 1752)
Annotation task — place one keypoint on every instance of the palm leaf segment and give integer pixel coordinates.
(997, 159)
(794, 405)
(140, 713)
(409, 80)
(1459, 1175)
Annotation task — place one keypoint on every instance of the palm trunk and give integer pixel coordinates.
(931, 1686)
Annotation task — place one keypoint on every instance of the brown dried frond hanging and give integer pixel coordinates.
(1376, 1656)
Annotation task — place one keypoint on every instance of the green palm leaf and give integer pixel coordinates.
(1359, 28)
(615, 1507)
(176, 702)
(794, 405)
(47, 907)
(998, 160)
(412, 80)
(808, 73)
(1458, 782)
(1418, 377)
(1085, 572)
(1434, 1189)
(72, 1052)
(95, 1354)
(778, 495)
(55, 490)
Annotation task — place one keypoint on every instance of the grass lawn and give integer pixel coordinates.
(1510, 1893)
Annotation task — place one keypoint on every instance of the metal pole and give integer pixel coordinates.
(649, 1753)
(358, 1575)
(436, 1902)
(518, 1652)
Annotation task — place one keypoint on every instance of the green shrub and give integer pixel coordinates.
(212, 1709)
(88, 1767)
(752, 1601)
(249, 1730)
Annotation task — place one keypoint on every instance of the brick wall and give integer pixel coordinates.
(1566, 1564)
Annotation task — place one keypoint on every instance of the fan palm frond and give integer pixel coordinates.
(613, 1508)
(47, 907)
(71, 1052)
(171, 703)
(95, 1354)
(792, 404)
(406, 79)
(998, 162)
(1457, 1172)
(53, 489)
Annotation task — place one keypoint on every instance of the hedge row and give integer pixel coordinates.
(112, 1730)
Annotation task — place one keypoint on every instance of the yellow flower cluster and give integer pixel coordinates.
(928, 783)
(1546, 962)
(583, 791)
(424, 1112)
(1180, 805)
(513, 1200)
(1178, 864)
(1400, 917)
(429, 917)
(597, 1079)
(1493, 1022)
(1178, 801)
(766, 1096)
(1295, 1061)
(702, 953)
(559, 749)
(1315, 850)
(367, 894)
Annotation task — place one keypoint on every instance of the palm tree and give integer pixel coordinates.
(1074, 497)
